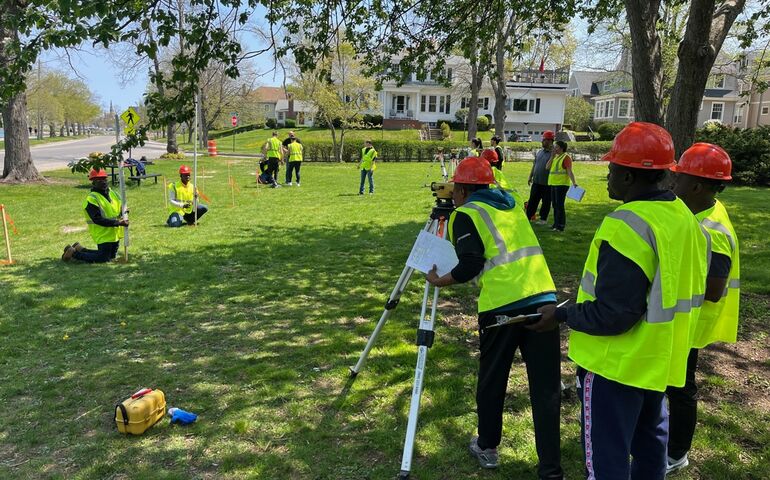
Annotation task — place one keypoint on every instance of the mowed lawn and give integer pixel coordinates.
(252, 319)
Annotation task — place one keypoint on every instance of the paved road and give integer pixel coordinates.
(52, 156)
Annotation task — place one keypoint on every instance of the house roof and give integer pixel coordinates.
(270, 94)
(299, 106)
(717, 92)
(585, 81)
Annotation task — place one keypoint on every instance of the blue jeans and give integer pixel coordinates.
(364, 175)
(558, 195)
(105, 252)
(176, 220)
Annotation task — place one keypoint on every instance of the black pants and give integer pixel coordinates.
(683, 411)
(558, 195)
(272, 168)
(537, 194)
(105, 252)
(542, 356)
(295, 167)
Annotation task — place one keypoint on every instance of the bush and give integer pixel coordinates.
(749, 150)
(482, 123)
(213, 135)
(172, 156)
(290, 123)
(607, 131)
(373, 120)
(271, 123)
(446, 132)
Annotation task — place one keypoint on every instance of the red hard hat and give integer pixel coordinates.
(184, 170)
(475, 171)
(96, 173)
(642, 145)
(490, 156)
(705, 160)
(549, 135)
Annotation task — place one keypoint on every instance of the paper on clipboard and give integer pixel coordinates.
(430, 250)
(576, 193)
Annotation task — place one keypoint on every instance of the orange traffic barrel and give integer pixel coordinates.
(212, 148)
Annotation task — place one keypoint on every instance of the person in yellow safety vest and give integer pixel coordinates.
(296, 151)
(640, 296)
(273, 151)
(102, 208)
(475, 146)
(560, 174)
(700, 175)
(501, 181)
(495, 243)
(181, 200)
(368, 157)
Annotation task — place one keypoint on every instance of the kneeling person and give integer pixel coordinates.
(495, 242)
(102, 209)
(181, 197)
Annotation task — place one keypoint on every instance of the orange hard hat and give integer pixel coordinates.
(549, 135)
(474, 171)
(184, 170)
(97, 173)
(705, 160)
(490, 156)
(642, 145)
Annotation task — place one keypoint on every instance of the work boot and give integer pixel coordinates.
(68, 253)
(487, 457)
(77, 246)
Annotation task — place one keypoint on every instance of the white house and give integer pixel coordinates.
(536, 100)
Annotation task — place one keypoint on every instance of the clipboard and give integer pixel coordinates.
(522, 319)
(576, 193)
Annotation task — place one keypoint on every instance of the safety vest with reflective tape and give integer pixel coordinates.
(273, 148)
(110, 209)
(514, 267)
(664, 239)
(718, 322)
(557, 175)
(367, 158)
(182, 193)
(295, 152)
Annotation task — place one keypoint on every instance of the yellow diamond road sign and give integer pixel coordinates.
(131, 119)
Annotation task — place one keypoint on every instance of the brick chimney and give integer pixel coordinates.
(291, 113)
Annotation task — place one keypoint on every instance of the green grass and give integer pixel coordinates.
(252, 318)
(35, 141)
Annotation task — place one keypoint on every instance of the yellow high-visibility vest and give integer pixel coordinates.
(557, 175)
(273, 148)
(367, 158)
(183, 193)
(514, 267)
(718, 322)
(295, 152)
(109, 209)
(668, 244)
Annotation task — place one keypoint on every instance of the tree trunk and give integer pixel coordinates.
(498, 78)
(51, 130)
(171, 145)
(18, 160)
(473, 108)
(337, 155)
(646, 59)
(705, 34)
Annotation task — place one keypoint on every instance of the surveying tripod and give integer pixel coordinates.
(425, 334)
(445, 173)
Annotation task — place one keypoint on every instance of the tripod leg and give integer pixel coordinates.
(443, 170)
(391, 304)
(425, 335)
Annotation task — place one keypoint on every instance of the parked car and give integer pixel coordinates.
(518, 137)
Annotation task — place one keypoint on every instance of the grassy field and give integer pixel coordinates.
(252, 319)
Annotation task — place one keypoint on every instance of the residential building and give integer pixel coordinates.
(268, 98)
(755, 108)
(535, 102)
(301, 112)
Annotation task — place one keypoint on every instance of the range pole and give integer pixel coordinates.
(123, 206)
(195, 161)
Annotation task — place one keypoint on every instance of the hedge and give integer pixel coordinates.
(749, 150)
(423, 151)
(234, 131)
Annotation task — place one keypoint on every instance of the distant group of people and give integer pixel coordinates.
(105, 218)
(276, 153)
(661, 280)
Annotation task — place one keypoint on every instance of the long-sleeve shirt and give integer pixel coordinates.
(172, 198)
(96, 214)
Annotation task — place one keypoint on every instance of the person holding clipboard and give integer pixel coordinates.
(495, 242)
(560, 175)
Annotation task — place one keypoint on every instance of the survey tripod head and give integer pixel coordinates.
(444, 204)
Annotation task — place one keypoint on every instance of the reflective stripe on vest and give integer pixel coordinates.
(295, 152)
(367, 158)
(182, 193)
(109, 209)
(557, 175)
(664, 239)
(514, 267)
(718, 321)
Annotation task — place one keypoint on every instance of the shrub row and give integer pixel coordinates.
(213, 135)
(749, 150)
(422, 151)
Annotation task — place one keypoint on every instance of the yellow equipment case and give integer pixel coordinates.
(140, 411)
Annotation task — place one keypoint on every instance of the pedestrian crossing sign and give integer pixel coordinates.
(131, 119)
